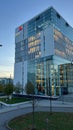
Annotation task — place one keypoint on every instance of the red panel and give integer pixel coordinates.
(20, 28)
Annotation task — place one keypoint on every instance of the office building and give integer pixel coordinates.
(44, 53)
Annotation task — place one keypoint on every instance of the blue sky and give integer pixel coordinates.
(14, 13)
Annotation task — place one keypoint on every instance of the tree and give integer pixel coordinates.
(29, 88)
(8, 90)
(1, 88)
(17, 88)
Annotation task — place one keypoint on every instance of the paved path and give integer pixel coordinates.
(8, 113)
(5, 117)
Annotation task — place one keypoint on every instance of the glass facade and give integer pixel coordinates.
(34, 46)
(39, 73)
(43, 73)
(21, 51)
(46, 71)
(63, 46)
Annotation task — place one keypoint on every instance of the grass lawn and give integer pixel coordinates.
(56, 121)
(13, 100)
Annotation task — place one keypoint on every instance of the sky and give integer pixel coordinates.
(13, 13)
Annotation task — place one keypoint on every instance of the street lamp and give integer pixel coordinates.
(0, 45)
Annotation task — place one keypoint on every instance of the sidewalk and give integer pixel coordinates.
(41, 103)
(56, 103)
(11, 107)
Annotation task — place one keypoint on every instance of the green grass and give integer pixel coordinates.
(56, 121)
(13, 100)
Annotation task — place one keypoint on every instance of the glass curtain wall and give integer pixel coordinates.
(45, 76)
(50, 77)
(64, 54)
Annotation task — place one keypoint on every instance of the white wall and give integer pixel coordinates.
(25, 72)
(18, 68)
(49, 42)
(18, 73)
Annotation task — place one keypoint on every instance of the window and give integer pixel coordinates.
(38, 18)
(58, 15)
(66, 24)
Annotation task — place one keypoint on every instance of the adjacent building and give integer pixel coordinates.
(44, 53)
(5, 81)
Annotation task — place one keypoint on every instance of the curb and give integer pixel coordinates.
(15, 106)
(7, 126)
